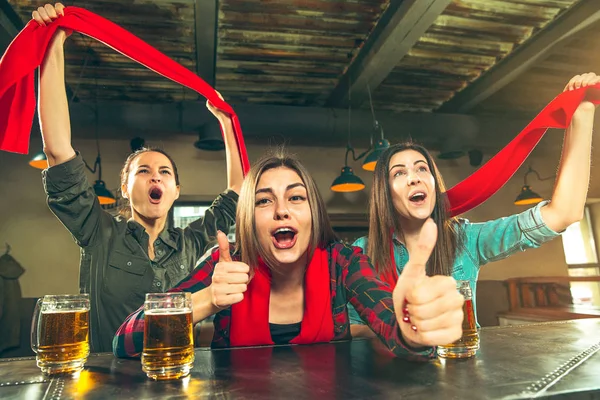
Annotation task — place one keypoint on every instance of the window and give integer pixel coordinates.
(579, 244)
(183, 213)
(581, 256)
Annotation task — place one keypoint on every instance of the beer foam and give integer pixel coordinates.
(168, 311)
(60, 311)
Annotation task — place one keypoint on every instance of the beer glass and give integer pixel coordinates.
(60, 333)
(168, 336)
(468, 344)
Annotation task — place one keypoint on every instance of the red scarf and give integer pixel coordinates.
(484, 182)
(250, 317)
(26, 52)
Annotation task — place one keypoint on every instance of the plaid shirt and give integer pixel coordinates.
(353, 280)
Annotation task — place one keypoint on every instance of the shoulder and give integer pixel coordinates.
(343, 255)
(339, 248)
(361, 242)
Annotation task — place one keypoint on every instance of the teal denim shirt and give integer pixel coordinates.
(484, 242)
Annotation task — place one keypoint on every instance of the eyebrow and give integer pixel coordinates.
(415, 163)
(289, 187)
(147, 166)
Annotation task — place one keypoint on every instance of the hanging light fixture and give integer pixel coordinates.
(105, 196)
(347, 181)
(380, 146)
(39, 161)
(528, 196)
(210, 137)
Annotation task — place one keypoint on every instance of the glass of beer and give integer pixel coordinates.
(60, 333)
(468, 344)
(168, 336)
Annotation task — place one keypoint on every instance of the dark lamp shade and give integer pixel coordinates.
(104, 195)
(373, 157)
(347, 182)
(527, 197)
(39, 161)
(210, 138)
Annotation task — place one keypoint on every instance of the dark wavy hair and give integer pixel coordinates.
(384, 221)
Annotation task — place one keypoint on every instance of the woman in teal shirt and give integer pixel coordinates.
(408, 190)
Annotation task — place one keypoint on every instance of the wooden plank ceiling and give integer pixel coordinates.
(94, 71)
(295, 52)
(289, 51)
(465, 41)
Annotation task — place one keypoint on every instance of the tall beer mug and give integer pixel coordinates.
(60, 333)
(468, 344)
(168, 336)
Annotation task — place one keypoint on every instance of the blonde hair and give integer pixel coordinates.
(246, 235)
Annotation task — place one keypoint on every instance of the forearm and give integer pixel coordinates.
(129, 338)
(235, 175)
(202, 305)
(53, 106)
(570, 190)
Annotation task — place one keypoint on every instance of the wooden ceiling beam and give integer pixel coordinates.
(10, 24)
(206, 14)
(550, 38)
(399, 28)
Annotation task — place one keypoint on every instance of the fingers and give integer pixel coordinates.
(589, 79)
(430, 289)
(432, 312)
(229, 282)
(224, 254)
(583, 80)
(46, 14)
(228, 300)
(60, 9)
(224, 276)
(440, 313)
(439, 337)
(421, 249)
(51, 11)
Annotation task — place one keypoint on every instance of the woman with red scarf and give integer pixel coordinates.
(123, 257)
(289, 280)
(408, 190)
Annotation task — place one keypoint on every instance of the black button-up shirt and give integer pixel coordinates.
(115, 268)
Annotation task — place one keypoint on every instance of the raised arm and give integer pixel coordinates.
(572, 181)
(235, 175)
(70, 195)
(53, 107)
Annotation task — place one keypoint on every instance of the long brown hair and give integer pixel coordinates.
(384, 221)
(245, 231)
(125, 210)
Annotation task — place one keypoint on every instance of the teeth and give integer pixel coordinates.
(284, 230)
(416, 195)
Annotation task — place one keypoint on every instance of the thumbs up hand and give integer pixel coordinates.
(230, 278)
(428, 309)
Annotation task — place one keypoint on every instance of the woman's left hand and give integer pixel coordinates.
(585, 80)
(428, 309)
(222, 116)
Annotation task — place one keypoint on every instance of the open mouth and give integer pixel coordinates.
(155, 195)
(284, 238)
(417, 198)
